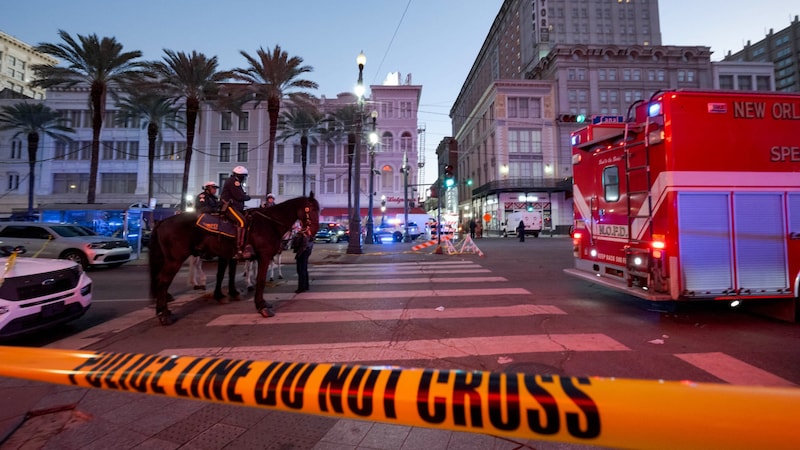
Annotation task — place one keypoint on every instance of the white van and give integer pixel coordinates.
(531, 219)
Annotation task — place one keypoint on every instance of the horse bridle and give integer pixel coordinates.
(306, 222)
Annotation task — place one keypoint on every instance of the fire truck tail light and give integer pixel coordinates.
(654, 109)
(657, 254)
(577, 235)
(658, 245)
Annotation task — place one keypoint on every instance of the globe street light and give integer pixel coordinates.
(354, 244)
(373, 140)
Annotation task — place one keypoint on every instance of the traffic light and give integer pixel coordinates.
(469, 181)
(530, 208)
(449, 177)
(572, 118)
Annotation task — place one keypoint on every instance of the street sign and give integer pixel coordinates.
(607, 119)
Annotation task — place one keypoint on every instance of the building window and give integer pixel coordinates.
(226, 120)
(244, 121)
(330, 153)
(224, 152)
(16, 149)
(70, 183)
(405, 142)
(242, 150)
(387, 142)
(611, 183)
(279, 154)
(762, 83)
(312, 154)
(291, 185)
(726, 81)
(612, 74)
(745, 82)
(525, 141)
(169, 151)
(168, 183)
(296, 154)
(13, 181)
(118, 183)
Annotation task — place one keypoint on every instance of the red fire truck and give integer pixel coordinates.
(694, 196)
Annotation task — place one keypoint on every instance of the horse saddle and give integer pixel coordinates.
(217, 224)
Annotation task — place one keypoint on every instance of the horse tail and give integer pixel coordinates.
(155, 260)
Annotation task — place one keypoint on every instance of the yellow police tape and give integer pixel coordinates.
(585, 410)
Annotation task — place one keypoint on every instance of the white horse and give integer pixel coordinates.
(274, 265)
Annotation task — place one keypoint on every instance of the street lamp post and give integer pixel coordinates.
(354, 244)
(406, 237)
(373, 140)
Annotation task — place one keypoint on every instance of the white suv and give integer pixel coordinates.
(39, 293)
(66, 241)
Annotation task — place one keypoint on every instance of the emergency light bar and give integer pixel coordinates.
(654, 109)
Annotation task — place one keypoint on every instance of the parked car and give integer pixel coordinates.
(331, 232)
(66, 241)
(37, 293)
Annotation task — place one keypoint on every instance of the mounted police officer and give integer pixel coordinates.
(207, 201)
(270, 201)
(234, 195)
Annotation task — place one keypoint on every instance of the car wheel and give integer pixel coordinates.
(398, 237)
(76, 256)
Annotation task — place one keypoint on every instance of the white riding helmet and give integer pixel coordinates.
(210, 184)
(240, 170)
(271, 196)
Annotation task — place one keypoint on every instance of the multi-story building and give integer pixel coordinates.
(781, 48)
(16, 60)
(224, 139)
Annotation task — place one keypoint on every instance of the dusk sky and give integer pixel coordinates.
(436, 41)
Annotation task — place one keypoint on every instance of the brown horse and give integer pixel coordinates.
(177, 237)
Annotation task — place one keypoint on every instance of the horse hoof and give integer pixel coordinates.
(223, 300)
(250, 288)
(165, 318)
(272, 279)
(218, 295)
(266, 312)
(268, 305)
(233, 294)
(280, 277)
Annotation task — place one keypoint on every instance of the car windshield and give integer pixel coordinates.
(70, 230)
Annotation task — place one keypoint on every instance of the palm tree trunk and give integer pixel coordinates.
(273, 109)
(97, 96)
(33, 144)
(192, 109)
(152, 134)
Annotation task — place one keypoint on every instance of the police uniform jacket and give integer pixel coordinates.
(233, 192)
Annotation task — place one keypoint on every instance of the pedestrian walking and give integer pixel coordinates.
(478, 229)
(521, 231)
(472, 226)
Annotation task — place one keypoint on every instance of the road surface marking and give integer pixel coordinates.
(385, 314)
(393, 280)
(418, 293)
(733, 371)
(345, 352)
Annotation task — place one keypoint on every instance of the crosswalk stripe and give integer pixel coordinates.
(346, 352)
(418, 293)
(394, 280)
(385, 314)
(732, 370)
(378, 272)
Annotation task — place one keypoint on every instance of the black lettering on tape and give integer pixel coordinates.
(439, 414)
(198, 376)
(179, 389)
(549, 406)
(362, 389)
(95, 377)
(113, 371)
(586, 405)
(88, 362)
(217, 377)
(293, 398)
(504, 400)
(388, 396)
(140, 377)
(168, 363)
(265, 392)
(465, 392)
(125, 376)
(331, 388)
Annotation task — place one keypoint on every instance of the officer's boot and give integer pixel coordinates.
(243, 252)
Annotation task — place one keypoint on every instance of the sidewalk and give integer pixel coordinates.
(39, 415)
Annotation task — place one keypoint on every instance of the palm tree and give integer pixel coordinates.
(33, 120)
(271, 76)
(155, 111)
(344, 122)
(302, 121)
(99, 63)
(192, 78)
